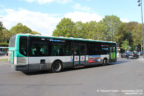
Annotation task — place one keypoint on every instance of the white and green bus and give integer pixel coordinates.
(30, 53)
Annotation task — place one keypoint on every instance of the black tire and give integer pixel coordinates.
(56, 67)
(105, 62)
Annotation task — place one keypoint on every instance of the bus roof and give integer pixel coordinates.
(66, 38)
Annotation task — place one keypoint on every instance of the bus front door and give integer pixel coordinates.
(79, 57)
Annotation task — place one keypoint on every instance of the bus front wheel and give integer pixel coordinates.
(56, 67)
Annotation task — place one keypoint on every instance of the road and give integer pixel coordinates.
(124, 78)
(3, 57)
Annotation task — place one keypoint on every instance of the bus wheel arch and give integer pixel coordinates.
(56, 66)
(105, 61)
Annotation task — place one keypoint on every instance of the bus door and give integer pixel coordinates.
(79, 57)
(112, 53)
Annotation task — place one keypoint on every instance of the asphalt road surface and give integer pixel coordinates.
(124, 78)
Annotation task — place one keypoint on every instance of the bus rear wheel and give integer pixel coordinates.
(56, 67)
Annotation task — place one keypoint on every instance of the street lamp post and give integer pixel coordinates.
(140, 4)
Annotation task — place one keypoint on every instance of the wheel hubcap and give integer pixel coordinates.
(57, 66)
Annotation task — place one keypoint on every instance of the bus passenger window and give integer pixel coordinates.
(57, 50)
(39, 47)
(38, 52)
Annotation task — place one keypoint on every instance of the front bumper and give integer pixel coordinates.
(20, 67)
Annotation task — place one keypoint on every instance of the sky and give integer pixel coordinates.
(43, 15)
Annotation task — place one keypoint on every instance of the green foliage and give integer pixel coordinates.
(3, 59)
(64, 28)
(100, 29)
(4, 44)
(137, 35)
(125, 45)
(130, 30)
(6, 34)
(109, 29)
(95, 30)
(34, 32)
(20, 28)
(90, 30)
(122, 34)
(1, 26)
(79, 30)
(112, 23)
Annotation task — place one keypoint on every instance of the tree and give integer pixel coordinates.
(20, 28)
(137, 36)
(95, 30)
(110, 29)
(100, 29)
(1, 26)
(91, 29)
(4, 34)
(78, 30)
(130, 30)
(34, 32)
(112, 23)
(125, 45)
(121, 33)
(64, 28)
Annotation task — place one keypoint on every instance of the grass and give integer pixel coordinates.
(3, 59)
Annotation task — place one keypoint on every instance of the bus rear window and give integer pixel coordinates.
(12, 41)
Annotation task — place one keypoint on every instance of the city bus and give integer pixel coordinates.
(29, 53)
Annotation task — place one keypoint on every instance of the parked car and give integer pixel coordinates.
(132, 55)
(124, 55)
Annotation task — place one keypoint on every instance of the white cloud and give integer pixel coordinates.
(83, 16)
(43, 22)
(48, 1)
(40, 22)
(124, 20)
(80, 7)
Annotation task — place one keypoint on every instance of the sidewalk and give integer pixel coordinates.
(141, 58)
(3, 57)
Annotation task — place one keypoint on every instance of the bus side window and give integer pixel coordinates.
(33, 51)
(38, 51)
(57, 50)
(67, 50)
(61, 49)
